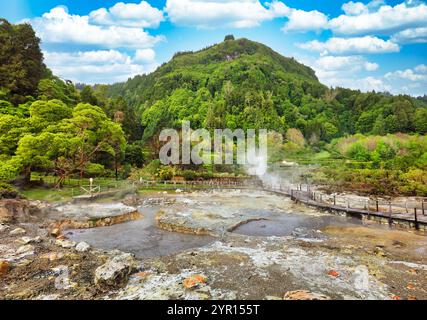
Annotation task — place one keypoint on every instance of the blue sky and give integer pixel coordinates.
(368, 45)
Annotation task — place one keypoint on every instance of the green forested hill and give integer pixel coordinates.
(241, 83)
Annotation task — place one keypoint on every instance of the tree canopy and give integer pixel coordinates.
(21, 60)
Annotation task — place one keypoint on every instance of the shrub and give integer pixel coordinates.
(95, 169)
(358, 152)
(189, 175)
(7, 191)
(166, 173)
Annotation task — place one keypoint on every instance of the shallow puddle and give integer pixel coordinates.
(287, 224)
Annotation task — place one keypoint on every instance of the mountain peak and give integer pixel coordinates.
(243, 63)
(248, 51)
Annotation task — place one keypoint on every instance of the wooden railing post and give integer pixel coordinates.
(367, 208)
(335, 200)
(377, 206)
(422, 206)
(416, 219)
(390, 217)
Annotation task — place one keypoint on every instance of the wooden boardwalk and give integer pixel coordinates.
(397, 214)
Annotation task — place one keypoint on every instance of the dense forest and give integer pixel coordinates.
(244, 84)
(51, 126)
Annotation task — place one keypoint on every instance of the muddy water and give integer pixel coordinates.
(139, 237)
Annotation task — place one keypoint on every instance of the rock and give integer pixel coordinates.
(82, 247)
(66, 244)
(25, 249)
(333, 274)
(116, 271)
(194, 281)
(379, 251)
(178, 191)
(305, 295)
(55, 232)
(48, 297)
(16, 210)
(142, 275)
(62, 281)
(23, 263)
(17, 231)
(361, 278)
(4, 267)
(53, 256)
(3, 228)
(27, 240)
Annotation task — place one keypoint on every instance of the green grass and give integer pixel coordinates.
(322, 155)
(50, 194)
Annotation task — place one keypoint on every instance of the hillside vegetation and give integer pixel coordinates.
(244, 84)
(50, 126)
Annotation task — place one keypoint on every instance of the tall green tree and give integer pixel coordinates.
(21, 60)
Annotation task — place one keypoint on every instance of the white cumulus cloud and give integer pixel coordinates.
(214, 14)
(300, 20)
(92, 67)
(354, 8)
(407, 74)
(219, 13)
(422, 68)
(415, 35)
(348, 46)
(145, 55)
(58, 26)
(128, 15)
(386, 20)
(345, 63)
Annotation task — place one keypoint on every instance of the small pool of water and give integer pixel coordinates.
(285, 224)
(140, 237)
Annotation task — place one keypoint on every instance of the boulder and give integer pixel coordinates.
(305, 295)
(116, 271)
(16, 210)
